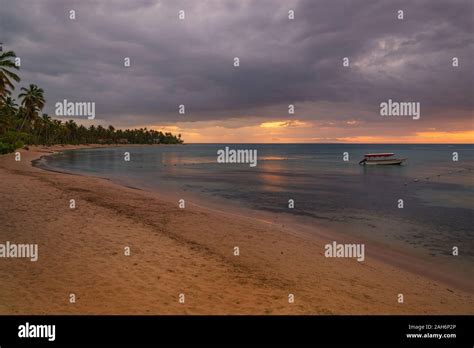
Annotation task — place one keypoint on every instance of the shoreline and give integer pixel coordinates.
(248, 284)
(400, 257)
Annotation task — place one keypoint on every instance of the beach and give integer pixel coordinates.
(187, 251)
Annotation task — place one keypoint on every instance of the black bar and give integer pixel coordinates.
(288, 330)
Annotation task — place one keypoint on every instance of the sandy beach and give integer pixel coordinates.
(181, 251)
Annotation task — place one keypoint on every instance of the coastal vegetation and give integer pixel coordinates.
(23, 122)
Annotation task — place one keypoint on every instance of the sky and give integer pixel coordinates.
(282, 61)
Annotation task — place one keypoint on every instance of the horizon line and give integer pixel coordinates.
(330, 143)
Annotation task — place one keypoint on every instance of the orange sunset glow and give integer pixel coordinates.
(295, 131)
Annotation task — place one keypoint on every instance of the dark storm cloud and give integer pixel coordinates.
(190, 62)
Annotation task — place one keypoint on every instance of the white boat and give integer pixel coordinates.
(381, 158)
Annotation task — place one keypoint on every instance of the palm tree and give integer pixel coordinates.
(33, 102)
(71, 127)
(45, 126)
(8, 110)
(56, 131)
(6, 75)
(8, 107)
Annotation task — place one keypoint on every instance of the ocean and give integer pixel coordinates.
(363, 201)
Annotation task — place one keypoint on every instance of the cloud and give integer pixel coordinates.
(282, 61)
(283, 124)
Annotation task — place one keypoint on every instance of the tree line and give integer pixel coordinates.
(24, 123)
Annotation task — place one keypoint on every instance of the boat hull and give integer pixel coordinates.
(394, 161)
